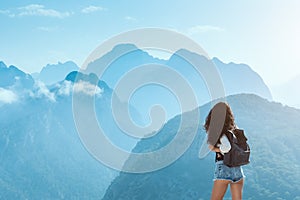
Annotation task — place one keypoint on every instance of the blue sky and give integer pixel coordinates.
(262, 34)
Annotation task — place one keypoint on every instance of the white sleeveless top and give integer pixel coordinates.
(225, 145)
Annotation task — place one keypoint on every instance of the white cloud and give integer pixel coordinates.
(7, 12)
(43, 91)
(129, 18)
(40, 10)
(91, 9)
(65, 89)
(4, 12)
(202, 29)
(7, 96)
(82, 87)
(87, 88)
(46, 29)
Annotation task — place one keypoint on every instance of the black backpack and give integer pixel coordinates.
(239, 153)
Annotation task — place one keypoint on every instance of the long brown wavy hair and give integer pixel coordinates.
(219, 120)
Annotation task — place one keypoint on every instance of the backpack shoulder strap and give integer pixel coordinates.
(230, 135)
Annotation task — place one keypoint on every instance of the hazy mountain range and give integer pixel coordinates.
(236, 78)
(42, 155)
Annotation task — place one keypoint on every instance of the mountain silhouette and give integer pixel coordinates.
(121, 59)
(240, 78)
(13, 77)
(92, 78)
(53, 73)
(236, 78)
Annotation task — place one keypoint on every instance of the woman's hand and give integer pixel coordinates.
(213, 148)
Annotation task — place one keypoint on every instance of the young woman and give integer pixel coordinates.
(219, 120)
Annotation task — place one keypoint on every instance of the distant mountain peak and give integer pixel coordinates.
(12, 76)
(12, 67)
(124, 46)
(53, 73)
(91, 78)
(76, 76)
(2, 64)
(217, 60)
(184, 52)
(67, 64)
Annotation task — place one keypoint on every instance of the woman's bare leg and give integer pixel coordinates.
(236, 190)
(219, 189)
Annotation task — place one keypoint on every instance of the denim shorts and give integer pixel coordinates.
(223, 172)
